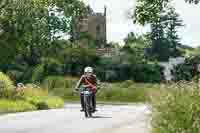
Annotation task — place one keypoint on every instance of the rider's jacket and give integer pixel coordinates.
(91, 82)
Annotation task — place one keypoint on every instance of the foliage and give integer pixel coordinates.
(9, 106)
(27, 27)
(52, 66)
(60, 86)
(147, 11)
(164, 22)
(176, 108)
(46, 102)
(188, 70)
(38, 74)
(164, 36)
(147, 73)
(126, 91)
(77, 58)
(39, 97)
(52, 82)
(123, 92)
(55, 102)
(6, 86)
(135, 48)
(34, 90)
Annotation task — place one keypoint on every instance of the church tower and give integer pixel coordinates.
(95, 26)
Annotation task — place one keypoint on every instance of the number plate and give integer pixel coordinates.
(86, 92)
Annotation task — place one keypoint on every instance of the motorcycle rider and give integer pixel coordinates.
(89, 80)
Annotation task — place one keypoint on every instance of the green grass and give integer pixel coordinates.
(126, 91)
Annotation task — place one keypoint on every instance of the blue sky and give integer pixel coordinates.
(119, 24)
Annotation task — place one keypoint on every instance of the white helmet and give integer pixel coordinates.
(88, 70)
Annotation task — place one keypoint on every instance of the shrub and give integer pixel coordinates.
(27, 75)
(111, 76)
(29, 90)
(149, 73)
(8, 106)
(55, 102)
(6, 86)
(176, 108)
(53, 82)
(38, 74)
(46, 102)
(38, 101)
(188, 70)
(53, 66)
(15, 75)
(34, 90)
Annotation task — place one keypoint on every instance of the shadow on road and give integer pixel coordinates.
(100, 117)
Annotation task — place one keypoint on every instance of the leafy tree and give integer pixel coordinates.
(172, 24)
(164, 22)
(27, 26)
(22, 24)
(135, 47)
(147, 11)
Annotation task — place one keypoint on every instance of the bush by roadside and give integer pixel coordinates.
(11, 106)
(46, 102)
(6, 86)
(25, 98)
(176, 108)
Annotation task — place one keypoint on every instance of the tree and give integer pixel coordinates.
(164, 36)
(22, 24)
(164, 22)
(147, 11)
(29, 25)
(159, 47)
(193, 1)
(135, 47)
(172, 24)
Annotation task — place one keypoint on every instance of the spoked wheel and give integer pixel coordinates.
(90, 106)
(88, 111)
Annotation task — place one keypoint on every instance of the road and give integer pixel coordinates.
(108, 119)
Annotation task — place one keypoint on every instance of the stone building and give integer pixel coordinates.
(93, 26)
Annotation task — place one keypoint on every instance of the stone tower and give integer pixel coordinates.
(94, 25)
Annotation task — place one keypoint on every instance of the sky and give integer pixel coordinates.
(119, 24)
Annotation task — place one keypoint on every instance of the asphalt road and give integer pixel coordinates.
(108, 119)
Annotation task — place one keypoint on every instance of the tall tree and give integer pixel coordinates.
(26, 26)
(173, 22)
(164, 36)
(164, 22)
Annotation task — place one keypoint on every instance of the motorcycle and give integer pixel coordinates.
(87, 100)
